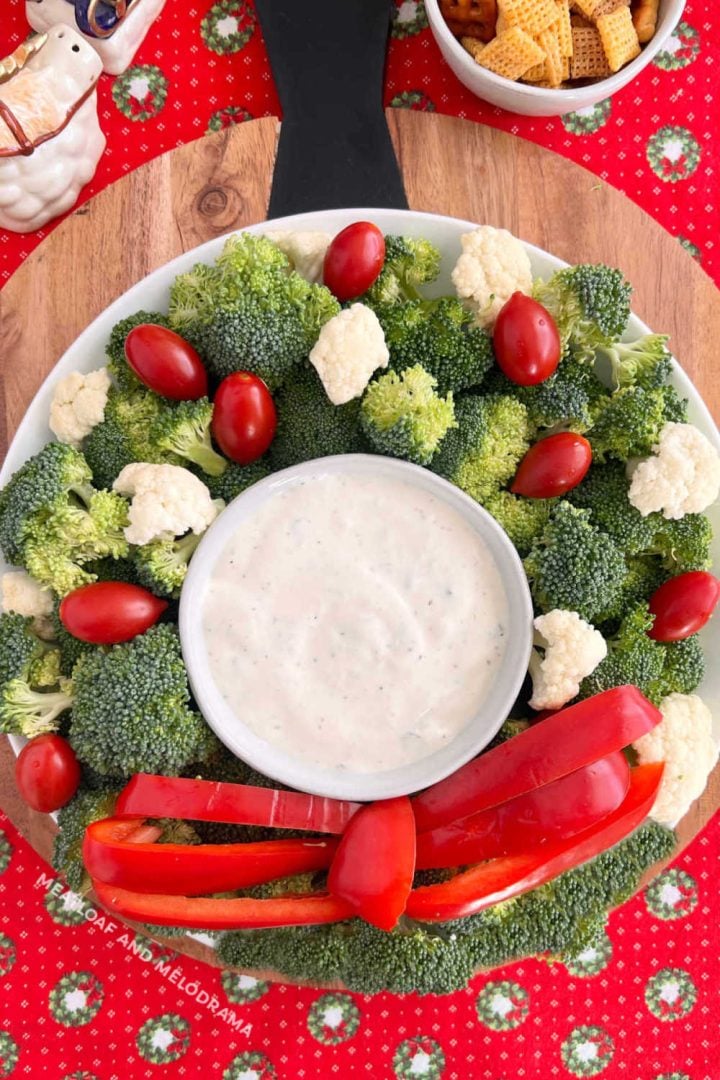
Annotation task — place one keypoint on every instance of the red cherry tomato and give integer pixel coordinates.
(354, 260)
(526, 340)
(47, 773)
(244, 419)
(683, 605)
(166, 363)
(553, 466)
(108, 612)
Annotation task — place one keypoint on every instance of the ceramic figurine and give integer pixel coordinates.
(114, 28)
(50, 137)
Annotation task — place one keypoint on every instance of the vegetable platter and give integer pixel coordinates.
(426, 967)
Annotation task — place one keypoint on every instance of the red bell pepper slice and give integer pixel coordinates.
(239, 804)
(560, 744)
(374, 864)
(501, 879)
(112, 854)
(553, 812)
(209, 913)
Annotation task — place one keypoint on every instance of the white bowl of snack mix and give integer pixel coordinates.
(550, 57)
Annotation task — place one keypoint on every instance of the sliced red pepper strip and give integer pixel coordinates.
(501, 879)
(375, 862)
(238, 804)
(112, 854)
(208, 913)
(553, 812)
(558, 745)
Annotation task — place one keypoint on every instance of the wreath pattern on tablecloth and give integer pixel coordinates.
(502, 1006)
(333, 1019)
(140, 92)
(415, 100)
(8, 955)
(419, 1057)
(591, 960)
(681, 49)
(587, 1050)
(154, 952)
(5, 852)
(251, 1065)
(227, 117)
(671, 994)
(586, 121)
(673, 153)
(163, 1038)
(228, 26)
(409, 18)
(242, 989)
(671, 1076)
(82, 1074)
(66, 908)
(692, 249)
(76, 999)
(9, 1054)
(672, 895)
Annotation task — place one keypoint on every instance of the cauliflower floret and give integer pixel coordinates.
(682, 477)
(78, 404)
(573, 649)
(493, 265)
(305, 250)
(350, 348)
(683, 740)
(167, 501)
(22, 595)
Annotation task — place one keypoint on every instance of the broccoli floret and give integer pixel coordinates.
(310, 426)
(684, 668)
(251, 337)
(632, 658)
(442, 337)
(644, 574)
(125, 378)
(88, 805)
(123, 436)
(161, 566)
(70, 648)
(236, 479)
(684, 543)
(52, 521)
(482, 453)
(250, 311)
(409, 262)
(184, 430)
(590, 304)
(522, 519)
(604, 492)
(630, 422)
(131, 708)
(404, 417)
(437, 958)
(575, 566)
(28, 667)
(569, 400)
(645, 362)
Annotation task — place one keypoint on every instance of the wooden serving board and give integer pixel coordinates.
(222, 182)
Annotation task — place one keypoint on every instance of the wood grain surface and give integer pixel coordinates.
(222, 182)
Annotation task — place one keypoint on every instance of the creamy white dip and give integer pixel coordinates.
(356, 622)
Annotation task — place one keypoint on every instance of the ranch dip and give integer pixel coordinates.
(355, 621)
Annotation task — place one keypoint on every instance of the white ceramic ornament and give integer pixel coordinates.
(50, 137)
(117, 49)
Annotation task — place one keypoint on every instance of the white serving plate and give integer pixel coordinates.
(151, 294)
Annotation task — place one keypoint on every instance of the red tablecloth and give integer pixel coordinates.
(80, 999)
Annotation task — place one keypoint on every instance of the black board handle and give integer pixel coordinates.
(328, 60)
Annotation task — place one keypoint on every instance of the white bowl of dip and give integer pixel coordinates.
(355, 627)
